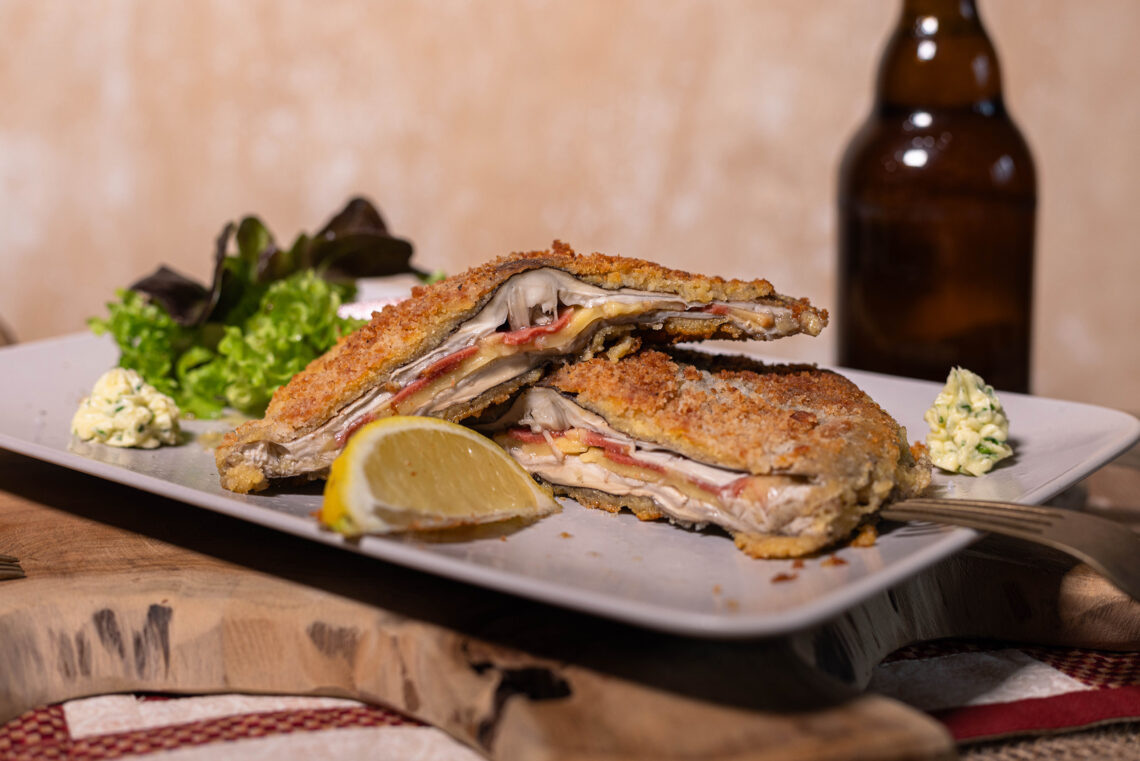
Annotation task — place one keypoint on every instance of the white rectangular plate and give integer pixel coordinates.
(651, 574)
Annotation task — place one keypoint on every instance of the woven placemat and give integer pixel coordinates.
(1116, 741)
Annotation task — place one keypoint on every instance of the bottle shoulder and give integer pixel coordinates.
(959, 150)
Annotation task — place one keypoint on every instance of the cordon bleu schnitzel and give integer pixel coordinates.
(788, 459)
(458, 346)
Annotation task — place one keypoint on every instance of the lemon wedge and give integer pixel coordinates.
(408, 473)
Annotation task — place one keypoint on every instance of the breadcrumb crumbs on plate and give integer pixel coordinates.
(866, 536)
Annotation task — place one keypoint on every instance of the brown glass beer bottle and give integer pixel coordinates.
(937, 202)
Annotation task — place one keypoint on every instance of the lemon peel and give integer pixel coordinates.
(408, 473)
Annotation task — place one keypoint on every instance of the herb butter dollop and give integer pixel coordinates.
(123, 410)
(969, 430)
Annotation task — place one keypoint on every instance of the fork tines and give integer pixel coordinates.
(1109, 547)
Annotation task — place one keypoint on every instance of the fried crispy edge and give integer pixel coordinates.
(629, 395)
(406, 330)
(733, 411)
(246, 477)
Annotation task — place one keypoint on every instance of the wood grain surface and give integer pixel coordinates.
(126, 591)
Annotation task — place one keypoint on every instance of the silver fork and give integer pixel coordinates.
(1111, 548)
(10, 568)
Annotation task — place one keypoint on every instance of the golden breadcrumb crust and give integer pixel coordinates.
(774, 546)
(643, 507)
(242, 477)
(404, 331)
(734, 412)
(737, 413)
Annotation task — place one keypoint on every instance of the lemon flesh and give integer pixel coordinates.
(414, 473)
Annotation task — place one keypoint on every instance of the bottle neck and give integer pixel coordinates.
(939, 56)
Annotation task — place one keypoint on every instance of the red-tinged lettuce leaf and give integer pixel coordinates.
(186, 300)
(355, 243)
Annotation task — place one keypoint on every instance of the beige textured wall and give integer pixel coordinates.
(701, 133)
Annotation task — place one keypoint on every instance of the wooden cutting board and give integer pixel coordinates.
(126, 591)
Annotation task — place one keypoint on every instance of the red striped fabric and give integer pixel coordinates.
(42, 734)
(1071, 711)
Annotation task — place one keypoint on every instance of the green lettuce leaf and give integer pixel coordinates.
(266, 314)
(211, 366)
(149, 339)
(295, 323)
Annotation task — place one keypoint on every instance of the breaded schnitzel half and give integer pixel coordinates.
(789, 459)
(472, 340)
